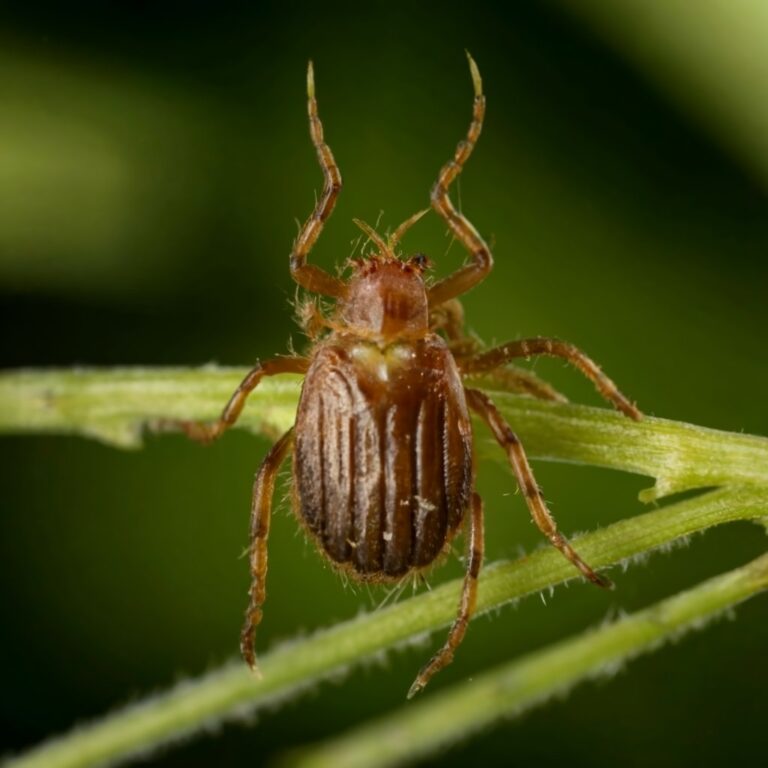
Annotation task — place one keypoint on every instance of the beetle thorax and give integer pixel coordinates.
(386, 299)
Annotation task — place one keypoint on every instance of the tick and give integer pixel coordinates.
(383, 474)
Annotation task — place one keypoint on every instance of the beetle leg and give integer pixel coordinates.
(449, 318)
(261, 511)
(306, 275)
(508, 440)
(493, 358)
(467, 601)
(208, 431)
(470, 275)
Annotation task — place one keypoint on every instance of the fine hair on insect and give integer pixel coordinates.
(383, 468)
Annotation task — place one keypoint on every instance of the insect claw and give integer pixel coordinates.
(310, 80)
(604, 582)
(250, 660)
(476, 79)
(417, 687)
(435, 664)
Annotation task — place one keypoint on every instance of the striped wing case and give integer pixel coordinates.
(383, 455)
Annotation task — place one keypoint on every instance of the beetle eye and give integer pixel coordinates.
(420, 261)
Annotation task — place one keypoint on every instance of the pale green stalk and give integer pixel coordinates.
(113, 405)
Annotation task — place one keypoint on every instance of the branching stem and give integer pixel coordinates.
(113, 405)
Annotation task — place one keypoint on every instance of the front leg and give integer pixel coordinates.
(508, 440)
(498, 356)
(461, 228)
(208, 431)
(310, 276)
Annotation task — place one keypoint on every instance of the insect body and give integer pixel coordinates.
(383, 474)
(383, 456)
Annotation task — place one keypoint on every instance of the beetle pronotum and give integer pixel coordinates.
(383, 469)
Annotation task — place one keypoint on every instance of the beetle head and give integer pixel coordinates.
(386, 297)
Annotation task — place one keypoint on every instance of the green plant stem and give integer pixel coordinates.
(452, 715)
(226, 693)
(113, 405)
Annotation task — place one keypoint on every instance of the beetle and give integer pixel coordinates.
(383, 469)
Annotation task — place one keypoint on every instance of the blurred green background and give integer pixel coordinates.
(153, 161)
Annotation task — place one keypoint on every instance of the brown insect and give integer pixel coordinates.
(383, 470)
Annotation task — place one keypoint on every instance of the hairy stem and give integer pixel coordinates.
(113, 405)
(453, 715)
(198, 704)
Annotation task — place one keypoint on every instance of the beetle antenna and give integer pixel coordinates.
(373, 235)
(397, 235)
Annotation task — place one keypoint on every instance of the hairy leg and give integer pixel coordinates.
(449, 318)
(494, 358)
(467, 601)
(208, 431)
(306, 275)
(261, 512)
(483, 405)
(471, 274)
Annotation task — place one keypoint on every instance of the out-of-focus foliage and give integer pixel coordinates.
(710, 58)
(152, 162)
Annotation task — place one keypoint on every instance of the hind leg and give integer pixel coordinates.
(467, 601)
(261, 512)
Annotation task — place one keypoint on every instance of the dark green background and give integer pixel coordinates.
(152, 164)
